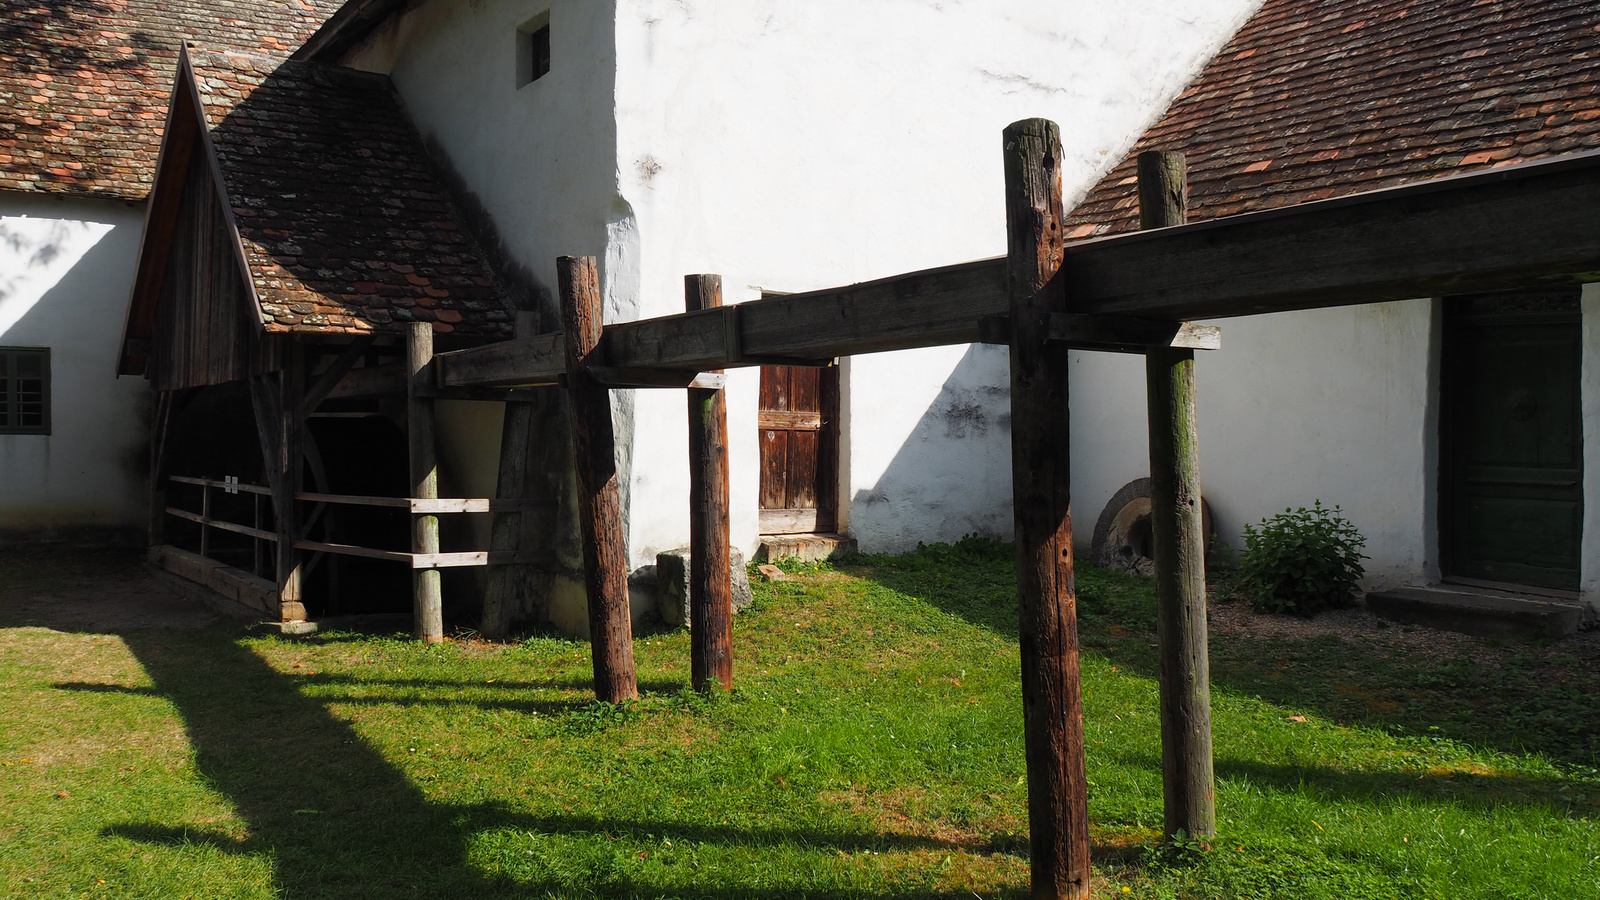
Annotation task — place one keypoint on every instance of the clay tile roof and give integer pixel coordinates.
(84, 83)
(345, 225)
(1319, 98)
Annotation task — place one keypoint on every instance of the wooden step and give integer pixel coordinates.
(1477, 611)
(805, 547)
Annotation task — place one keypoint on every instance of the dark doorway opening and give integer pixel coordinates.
(1511, 439)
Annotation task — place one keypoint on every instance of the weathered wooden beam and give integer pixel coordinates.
(386, 380)
(1188, 784)
(290, 434)
(426, 590)
(605, 559)
(511, 484)
(330, 378)
(1052, 704)
(710, 587)
(424, 561)
(1535, 223)
(1116, 334)
(431, 506)
(536, 360)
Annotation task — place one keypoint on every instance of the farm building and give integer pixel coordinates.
(789, 148)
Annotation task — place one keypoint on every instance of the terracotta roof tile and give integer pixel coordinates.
(1353, 95)
(345, 224)
(84, 84)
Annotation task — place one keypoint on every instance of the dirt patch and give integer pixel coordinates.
(1357, 625)
(107, 590)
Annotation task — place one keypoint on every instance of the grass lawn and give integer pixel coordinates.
(872, 749)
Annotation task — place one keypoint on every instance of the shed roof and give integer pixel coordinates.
(84, 83)
(1319, 98)
(342, 224)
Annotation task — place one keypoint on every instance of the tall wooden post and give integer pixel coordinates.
(710, 586)
(516, 434)
(290, 435)
(605, 560)
(427, 595)
(161, 403)
(1188, 785)
(1052, 704)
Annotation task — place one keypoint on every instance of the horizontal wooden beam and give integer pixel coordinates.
(222, 525)
(429, 506)
(1513, 227)
(235, 487)
(1517, 226)
(388, 379)
(1117, 334)
(527, 361)
(433, 560)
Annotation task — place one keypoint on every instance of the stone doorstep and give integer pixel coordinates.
(1477, 611)
(804, 547)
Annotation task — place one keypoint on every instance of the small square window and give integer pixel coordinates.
(24, 390)
(533, 49)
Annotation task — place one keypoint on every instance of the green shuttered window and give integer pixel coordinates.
(24, 390)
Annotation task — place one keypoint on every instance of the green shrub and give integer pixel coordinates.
(1301, 561)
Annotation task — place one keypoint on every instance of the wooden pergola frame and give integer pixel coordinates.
(1504, 228)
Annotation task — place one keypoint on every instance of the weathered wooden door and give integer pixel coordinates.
(1511, 439)
(798, 418)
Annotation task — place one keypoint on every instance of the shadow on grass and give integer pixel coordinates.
(339, 820)
(1541, 700)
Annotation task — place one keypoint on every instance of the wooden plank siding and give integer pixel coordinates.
(207, 328)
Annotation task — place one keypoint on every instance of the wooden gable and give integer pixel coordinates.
(193, 319)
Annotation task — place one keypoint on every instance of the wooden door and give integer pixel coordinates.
(798, 420)
(1511, 439)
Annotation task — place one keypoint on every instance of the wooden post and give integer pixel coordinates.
(1188, 785)
(160, 423)
(426, 593)
(289, 433)
(1052, 704)
(710, 585)
(516, 435)
(605, 560)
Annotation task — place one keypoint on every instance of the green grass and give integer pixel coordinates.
(872, 749)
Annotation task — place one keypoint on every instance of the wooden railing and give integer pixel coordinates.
(206, 521)
(415, 506)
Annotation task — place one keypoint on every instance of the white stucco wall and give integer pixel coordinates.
(1330, 404)
(1589, 565)
(66, 267)
(790, 146)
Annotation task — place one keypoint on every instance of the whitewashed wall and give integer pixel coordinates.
(66, 268)
(1333, 404)
(789, 146)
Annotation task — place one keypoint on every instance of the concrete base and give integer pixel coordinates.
(805, 547)
(1477, 611)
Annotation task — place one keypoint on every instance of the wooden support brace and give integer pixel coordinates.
(516, 435)
(335, 373)
(426, 590)
(1178, 538)
(605, 559)
(1052, 704)
(710, 587)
